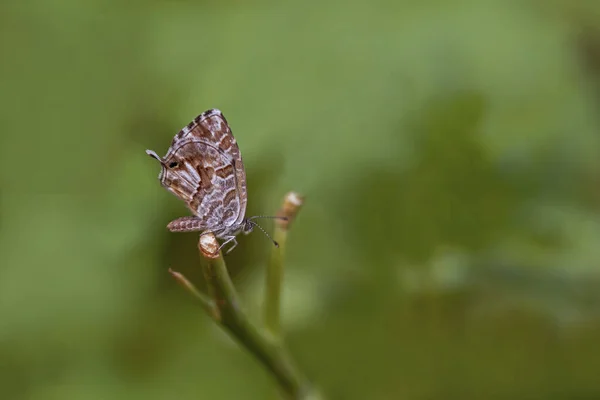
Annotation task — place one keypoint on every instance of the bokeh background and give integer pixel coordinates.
(448, 150)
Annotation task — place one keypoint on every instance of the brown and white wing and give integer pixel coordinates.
(206, 161)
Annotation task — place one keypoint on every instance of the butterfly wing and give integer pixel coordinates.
(204, 168)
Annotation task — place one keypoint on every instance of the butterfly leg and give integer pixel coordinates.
(186, 224)
(229, 239)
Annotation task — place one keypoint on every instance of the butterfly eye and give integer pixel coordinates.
(173, 164)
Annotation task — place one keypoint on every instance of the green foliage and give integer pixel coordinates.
(448, 152)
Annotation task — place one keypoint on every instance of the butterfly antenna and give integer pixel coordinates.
(268, 216)
(263, 231)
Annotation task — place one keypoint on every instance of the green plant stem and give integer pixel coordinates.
(271, 353)
(208, 305)
(224, 306)
(273, 281)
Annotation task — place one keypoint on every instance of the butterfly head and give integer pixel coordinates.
(247, 226)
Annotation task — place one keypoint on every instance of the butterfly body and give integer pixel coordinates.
(204, 168)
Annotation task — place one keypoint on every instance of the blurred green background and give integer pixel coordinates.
(449, 153)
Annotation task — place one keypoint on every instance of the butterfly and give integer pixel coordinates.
(204, 168)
